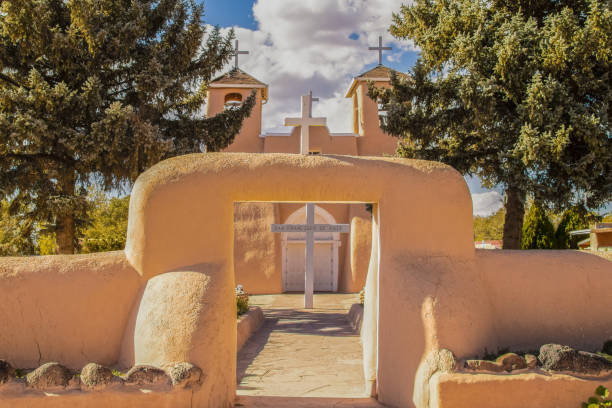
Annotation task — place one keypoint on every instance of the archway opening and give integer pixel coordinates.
(321, 345)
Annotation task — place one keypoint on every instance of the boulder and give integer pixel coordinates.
(96, 376)
(447, 362)
(146, 375)
(511, 361)
(184, 375)
(6, 371)
(531, 360)
(484, 365)
(49, 375)
(556, 357)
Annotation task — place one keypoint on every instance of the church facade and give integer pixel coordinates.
(265, 262)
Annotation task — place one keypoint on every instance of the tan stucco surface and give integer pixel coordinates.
(530, 390)
(174, 222)
(171, 297)
(72, 309)
(135, 398)
(257, 250)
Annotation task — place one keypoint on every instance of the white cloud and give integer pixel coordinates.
(303, 45)
(485, 204)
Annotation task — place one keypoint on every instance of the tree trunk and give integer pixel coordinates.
(64, 223)
(515, 212)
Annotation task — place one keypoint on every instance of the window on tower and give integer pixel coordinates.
(233, 101)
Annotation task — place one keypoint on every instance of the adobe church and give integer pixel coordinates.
(266, 262)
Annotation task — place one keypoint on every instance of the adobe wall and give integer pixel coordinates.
(72, 309)
(198, 230)
(357, 252)
(320, 139)
(505, 299)
(527, 390)
(257, 250)
(171, 297)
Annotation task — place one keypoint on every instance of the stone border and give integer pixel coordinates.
(56, 378)
(355, 317)
(248, 324)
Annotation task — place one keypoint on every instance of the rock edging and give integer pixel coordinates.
(53, 376)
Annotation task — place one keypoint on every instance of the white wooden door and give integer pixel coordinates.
(295, 264)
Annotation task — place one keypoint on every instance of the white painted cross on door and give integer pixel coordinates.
(310, 228)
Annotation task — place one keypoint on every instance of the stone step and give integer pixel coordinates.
(251, 401)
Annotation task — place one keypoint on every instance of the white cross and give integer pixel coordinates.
(310, 228)
(380, 49)
(305, 122)
(236, 53)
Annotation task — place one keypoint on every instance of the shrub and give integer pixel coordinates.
(108, 225)
(242, 301)
(362, 296)
(538, 231)
(599, 400)
(575, 218)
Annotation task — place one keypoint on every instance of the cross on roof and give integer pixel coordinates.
(305, 122)
(311, 101)
(236, 53)
(380, 49)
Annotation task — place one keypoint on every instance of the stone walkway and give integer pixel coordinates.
(302, 358)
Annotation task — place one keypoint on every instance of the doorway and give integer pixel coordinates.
(325, 254)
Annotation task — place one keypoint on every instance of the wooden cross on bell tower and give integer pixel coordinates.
(236, 53)
(380, 49)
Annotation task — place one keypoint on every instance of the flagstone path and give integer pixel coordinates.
(302, 358)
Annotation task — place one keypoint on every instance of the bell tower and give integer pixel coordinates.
(229, 91)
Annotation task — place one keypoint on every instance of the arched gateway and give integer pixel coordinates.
(181, 225)
(169, 298)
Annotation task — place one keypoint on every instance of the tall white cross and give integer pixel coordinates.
(236, 53)
(305, 122)
(310, 228)
(380, 49)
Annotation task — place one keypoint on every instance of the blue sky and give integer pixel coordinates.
(239, 14)
(319, 45)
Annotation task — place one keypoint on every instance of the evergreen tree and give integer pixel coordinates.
(16, 234)
(516, 92)
(108, 225)
(538, 231)
(489, 228)
(97, 91)
(574, 218)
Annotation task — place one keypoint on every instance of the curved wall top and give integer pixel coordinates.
(181, 210)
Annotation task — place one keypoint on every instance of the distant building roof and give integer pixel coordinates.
(378, 73)
(237, 78)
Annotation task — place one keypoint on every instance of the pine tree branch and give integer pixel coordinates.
(11, 81)
(37, 156)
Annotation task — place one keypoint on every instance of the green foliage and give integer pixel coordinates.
(242, 301)
(517, 92)
(46, 244)
(538, 231)
(601, 399)
(574, 218)
(362, 296)
(607, 218)
(16, 230)
(98, 91)
(108, 228)
(491, 227)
